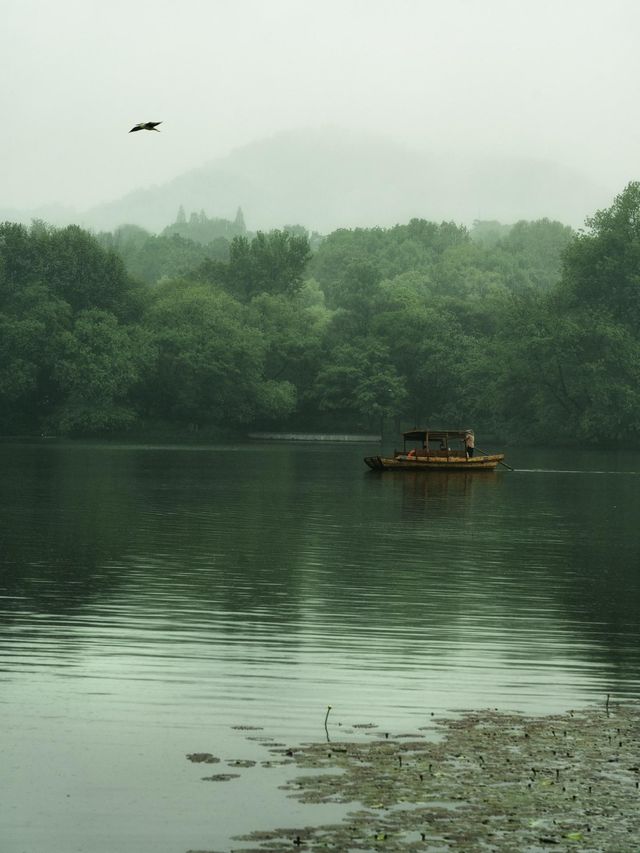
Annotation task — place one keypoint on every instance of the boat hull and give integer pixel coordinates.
(434, 463)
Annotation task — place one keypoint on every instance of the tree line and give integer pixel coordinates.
(529, 332)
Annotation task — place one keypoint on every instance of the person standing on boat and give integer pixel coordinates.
(469, 443)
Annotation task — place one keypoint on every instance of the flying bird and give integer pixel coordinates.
(146, 125)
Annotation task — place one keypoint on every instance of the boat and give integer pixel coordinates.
(436, 450)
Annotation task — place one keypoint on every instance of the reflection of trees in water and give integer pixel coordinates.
(535, 560)
(67, 520)
(228, 522)
(399, 557)
(215, 528)
(601, 523)
(283, 540)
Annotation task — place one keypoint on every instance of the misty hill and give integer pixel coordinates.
(326, 179)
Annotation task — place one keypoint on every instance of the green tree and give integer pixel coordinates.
(84, 275)
(211, 361)
(359, 379)
(32, 323)
(292, 334)
(168, 257)
(416, 246)
(269, 263)
(99, 364)
(488, 232)
(538, 249)
(465, 271)
(429, 348)
(72, 264)
(551, 374)
(602, 265)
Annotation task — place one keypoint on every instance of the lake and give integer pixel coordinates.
(155, 599)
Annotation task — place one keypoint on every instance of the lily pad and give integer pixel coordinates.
(203, 758)
(221, 777)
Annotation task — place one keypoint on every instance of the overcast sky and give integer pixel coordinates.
(554, 79)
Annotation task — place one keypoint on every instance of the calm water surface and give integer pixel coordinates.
(152, 598)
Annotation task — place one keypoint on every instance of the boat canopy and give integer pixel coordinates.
(443, 435)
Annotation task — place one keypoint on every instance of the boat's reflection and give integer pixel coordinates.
(440, 491)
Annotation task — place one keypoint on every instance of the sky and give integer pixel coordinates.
(548, 79)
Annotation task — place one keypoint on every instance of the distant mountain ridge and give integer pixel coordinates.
(327, 179)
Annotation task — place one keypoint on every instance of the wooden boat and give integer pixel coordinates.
(435, 450)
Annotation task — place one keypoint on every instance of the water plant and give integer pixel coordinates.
(493, 782)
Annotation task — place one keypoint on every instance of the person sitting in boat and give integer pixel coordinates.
(469, 443)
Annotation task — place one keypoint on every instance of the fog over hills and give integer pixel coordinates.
(330, 178)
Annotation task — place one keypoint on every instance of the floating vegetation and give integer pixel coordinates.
(221, 777)
(241, 762)
(242, 728)
(493, 782)
(203, 758)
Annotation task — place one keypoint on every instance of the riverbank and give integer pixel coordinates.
(490, 781)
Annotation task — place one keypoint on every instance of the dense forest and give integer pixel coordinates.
(528, 332)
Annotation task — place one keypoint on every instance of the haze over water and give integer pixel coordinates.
(153, 598)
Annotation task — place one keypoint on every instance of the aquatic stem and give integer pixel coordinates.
(325, 722)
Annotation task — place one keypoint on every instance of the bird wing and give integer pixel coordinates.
(146, 125)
